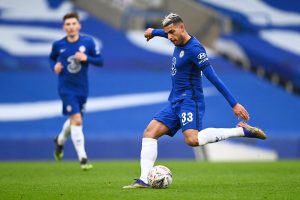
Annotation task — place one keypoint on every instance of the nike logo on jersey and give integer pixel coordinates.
(62, 50)
(185, 123)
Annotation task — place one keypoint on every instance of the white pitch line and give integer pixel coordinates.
(50, 109)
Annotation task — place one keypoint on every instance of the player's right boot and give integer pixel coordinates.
(138, 183)
(59, 150)
(252, 132)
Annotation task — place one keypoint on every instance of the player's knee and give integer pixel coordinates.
(150, 133)
(191, 140)
(77, 121)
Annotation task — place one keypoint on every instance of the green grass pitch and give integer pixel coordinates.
(191, 180)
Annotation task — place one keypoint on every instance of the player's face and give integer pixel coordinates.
(175, 33)
(72, 27)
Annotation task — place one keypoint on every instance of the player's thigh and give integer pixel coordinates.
(73, 104)
(82, 103)
(76, 119)
(155, 129)
(191, 113)
(168, 117)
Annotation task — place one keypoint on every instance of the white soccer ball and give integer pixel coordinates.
(160, 177)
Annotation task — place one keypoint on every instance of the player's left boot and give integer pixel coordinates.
(138, 183)
(59, 150)
(252, 132)
(84, 165)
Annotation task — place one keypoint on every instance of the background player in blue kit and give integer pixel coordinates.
(69, 59)
(186, 100)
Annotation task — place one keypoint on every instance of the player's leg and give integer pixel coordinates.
(78, 140)
(64, 133)
(154, 130)
(211, 135)
(61, 139)
(73, 106)
(191, 113)
(164, 122)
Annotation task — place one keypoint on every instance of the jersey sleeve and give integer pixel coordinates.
(211, 75)
(53, 56)
(95, 57)
(199, 57)
(159, 32)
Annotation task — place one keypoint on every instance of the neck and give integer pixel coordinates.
(72, 38)
(186, 38)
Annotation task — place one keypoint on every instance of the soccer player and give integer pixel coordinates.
(69, 59)
(186, 100)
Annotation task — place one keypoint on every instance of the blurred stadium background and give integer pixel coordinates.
(253, 45)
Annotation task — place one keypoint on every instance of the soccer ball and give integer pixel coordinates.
(160, 177)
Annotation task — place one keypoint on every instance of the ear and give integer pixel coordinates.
(182, 26)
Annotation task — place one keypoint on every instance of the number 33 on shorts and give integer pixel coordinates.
(186, 118)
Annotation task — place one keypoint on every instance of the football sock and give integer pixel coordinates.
(148, 157)
(78, 141)
(211, 135)
(64, 133)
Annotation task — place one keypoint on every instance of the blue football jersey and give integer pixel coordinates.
(74, 78)
(189, 63)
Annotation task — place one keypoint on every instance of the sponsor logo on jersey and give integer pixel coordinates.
(181, 54)
(74, 65)
(202, 57)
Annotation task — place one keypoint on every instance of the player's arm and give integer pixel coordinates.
(200, 59)
(94, 56)
(211, 75)
(150, 33)
(53, 57)
(54, 64)
(96, 59)
(238, 109)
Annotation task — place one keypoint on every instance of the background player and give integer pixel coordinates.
(69, 58)
(186, 100)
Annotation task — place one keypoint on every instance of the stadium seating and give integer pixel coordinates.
(124, 95)
(267, 33)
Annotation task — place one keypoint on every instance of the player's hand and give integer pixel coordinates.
(240, 111)
(58, 68)
(148, 34)
(82, 57)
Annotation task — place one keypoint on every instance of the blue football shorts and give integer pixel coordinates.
(185, 114)
(73, 104)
